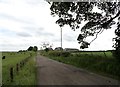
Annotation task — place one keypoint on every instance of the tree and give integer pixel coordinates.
(30, 48)
(73, 13)
(46, 45)
(35, 48)
(46, 49)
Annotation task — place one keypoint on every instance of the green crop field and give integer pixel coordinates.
(99, 62)
(11, 60)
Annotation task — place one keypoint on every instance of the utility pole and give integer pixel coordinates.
(61, 37)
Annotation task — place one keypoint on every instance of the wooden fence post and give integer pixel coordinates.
(20, 65)
(22, 62)
(17, 67)
(11, 74)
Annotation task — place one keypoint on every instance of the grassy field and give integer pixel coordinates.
(25, 75)
(99, 62)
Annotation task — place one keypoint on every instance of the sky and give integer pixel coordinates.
(25, 23)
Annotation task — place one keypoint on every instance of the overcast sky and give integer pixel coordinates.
(25, 23)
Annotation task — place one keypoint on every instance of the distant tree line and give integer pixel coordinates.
(22, 50)
(35, 48)
(31, 48)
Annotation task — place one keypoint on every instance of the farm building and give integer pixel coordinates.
(71, 49)
(58, 48)
(50, 49)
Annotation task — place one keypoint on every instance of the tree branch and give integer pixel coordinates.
(104, 25)
(96, 35)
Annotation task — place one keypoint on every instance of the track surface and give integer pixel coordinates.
(50, 72)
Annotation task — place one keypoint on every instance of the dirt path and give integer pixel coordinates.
(50, 72)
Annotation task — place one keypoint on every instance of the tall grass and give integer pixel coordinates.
(28, 74)
(11, 59)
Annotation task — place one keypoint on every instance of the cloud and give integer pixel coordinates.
(4, 1)
(13, 18)
(24, 34)
(13, 47)
(33, 28)
(69, 38)
(31, 22)
(42, 32)
(38, 31)
(45, 34)
(33, 2)
(7, 32)
(4, 30)
(56, 40)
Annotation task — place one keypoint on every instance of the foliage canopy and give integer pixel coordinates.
(73, 13)
(35, 48)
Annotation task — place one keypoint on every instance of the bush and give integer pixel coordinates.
(65, 54)
(116, 54)
(46, 49)
(59, 53)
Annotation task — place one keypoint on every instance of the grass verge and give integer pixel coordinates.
(26, 74)
(105, 65)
